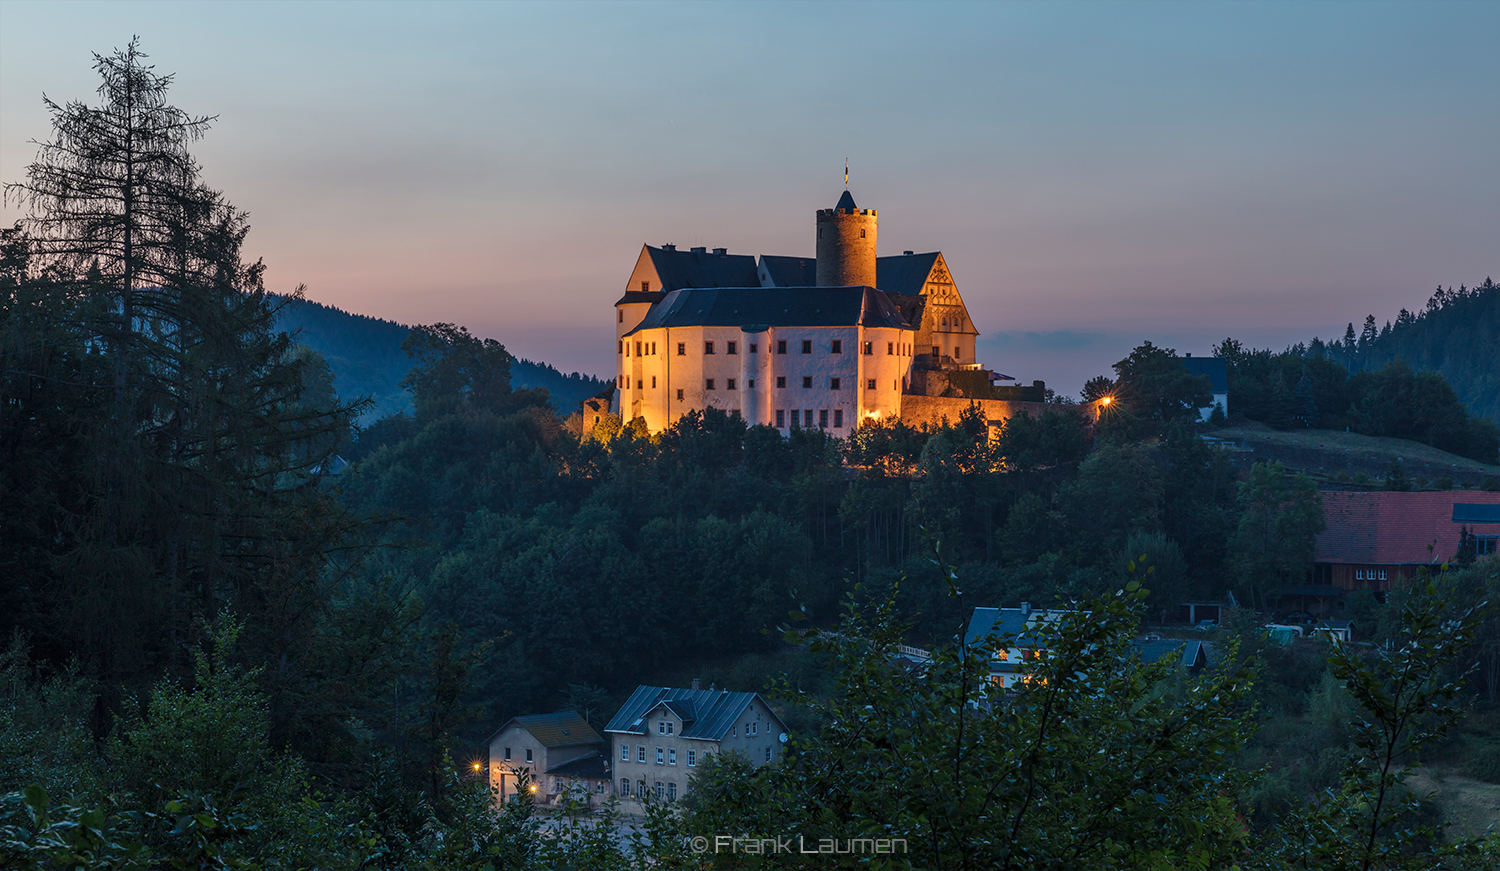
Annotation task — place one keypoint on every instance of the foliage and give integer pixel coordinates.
(1282, 517)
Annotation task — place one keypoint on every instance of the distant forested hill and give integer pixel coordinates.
(366, 357)
(1457, 334)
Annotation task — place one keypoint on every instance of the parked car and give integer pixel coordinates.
(1207, 625)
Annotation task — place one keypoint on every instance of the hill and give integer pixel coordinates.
(366, 357)
(1348, 458)
(1457, 335)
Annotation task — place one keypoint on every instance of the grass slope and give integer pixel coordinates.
(366, 357)
(1325, 454)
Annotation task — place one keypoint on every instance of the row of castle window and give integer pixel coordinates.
(670, 794)
(669, 758)
(806, 418)
(836, 346)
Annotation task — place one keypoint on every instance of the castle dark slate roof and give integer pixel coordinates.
(679, 269)
(904, 274)
(711, 712)
(647, 296)
(774, 306)
(559, 729)
(789, 271)
(1213, 367)
(846, 203)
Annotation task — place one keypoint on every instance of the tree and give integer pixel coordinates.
(1155, 382)
(1282, 515)
(453, 371)
(188, 474)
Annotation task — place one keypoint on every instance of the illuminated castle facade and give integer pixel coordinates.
(787, 341)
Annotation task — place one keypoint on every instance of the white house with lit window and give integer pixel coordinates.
(661, 735)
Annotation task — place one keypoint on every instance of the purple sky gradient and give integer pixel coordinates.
(1095, 174)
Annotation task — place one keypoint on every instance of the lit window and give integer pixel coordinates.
(731, 348)
(807, 382)
(838, 418)
(728, 383)
(870, 384)
(833, 384)
(807, 346)
(708, 347)
(781, 346)
(838, 346)
(692, 759)
(780, 380)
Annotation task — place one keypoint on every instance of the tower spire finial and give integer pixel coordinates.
(846, 173)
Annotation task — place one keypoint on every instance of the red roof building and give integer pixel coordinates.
(1376, 540)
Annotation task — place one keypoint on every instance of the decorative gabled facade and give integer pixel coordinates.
(661, 735)
(823, 341)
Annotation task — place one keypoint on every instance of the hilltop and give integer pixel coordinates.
(1348, 458)
(366, 357)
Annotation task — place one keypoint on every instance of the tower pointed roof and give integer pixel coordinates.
(846, 203)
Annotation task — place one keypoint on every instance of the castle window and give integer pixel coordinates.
(620, 316)
(753, 348)
(780, 380)
(838, 346)
(807, 382)
(710, 384)
(750, 385)
(708, 347)
(621, 348)
(890, 348)
(653, 349)
(861, 233)
(679, 394)
(682, 349)
(936, 351)
(822, 422)
(645, 287)
(639, 384)
(807, 346)
(653, 382)
(870, 385)
(729, 384)
(780, 419)
(781, 346)
(807, 417)
(732, 349)
(833, 384)
(637, 349)
(838, 418)
(869, 348)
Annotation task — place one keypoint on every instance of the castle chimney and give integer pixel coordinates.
(721, 251)
(699, 249)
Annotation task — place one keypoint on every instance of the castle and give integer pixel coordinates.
(799, 342)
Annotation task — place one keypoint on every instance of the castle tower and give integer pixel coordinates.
(846, 245)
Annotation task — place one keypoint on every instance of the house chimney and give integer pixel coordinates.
(1025, 608)
(908, 252)
(668, 246)
(721, 251)
(699, 249)
(697, 684)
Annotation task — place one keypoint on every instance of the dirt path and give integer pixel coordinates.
(1469, 806)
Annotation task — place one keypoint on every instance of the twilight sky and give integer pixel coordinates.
(1095, 174)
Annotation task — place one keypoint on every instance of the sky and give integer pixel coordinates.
(1095, 174)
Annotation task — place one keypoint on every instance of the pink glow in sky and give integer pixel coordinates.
(1095, 174)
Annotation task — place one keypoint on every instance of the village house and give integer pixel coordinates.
(1216, 370)
(661, 735)
(553, 754)
(1374, 541)
(1023, 627)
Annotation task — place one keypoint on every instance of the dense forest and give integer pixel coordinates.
(225, 651)
(367, 361)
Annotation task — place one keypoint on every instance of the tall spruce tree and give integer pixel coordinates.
(190, 479)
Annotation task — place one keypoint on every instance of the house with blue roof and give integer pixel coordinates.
(661, 735)
(1216, 370)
